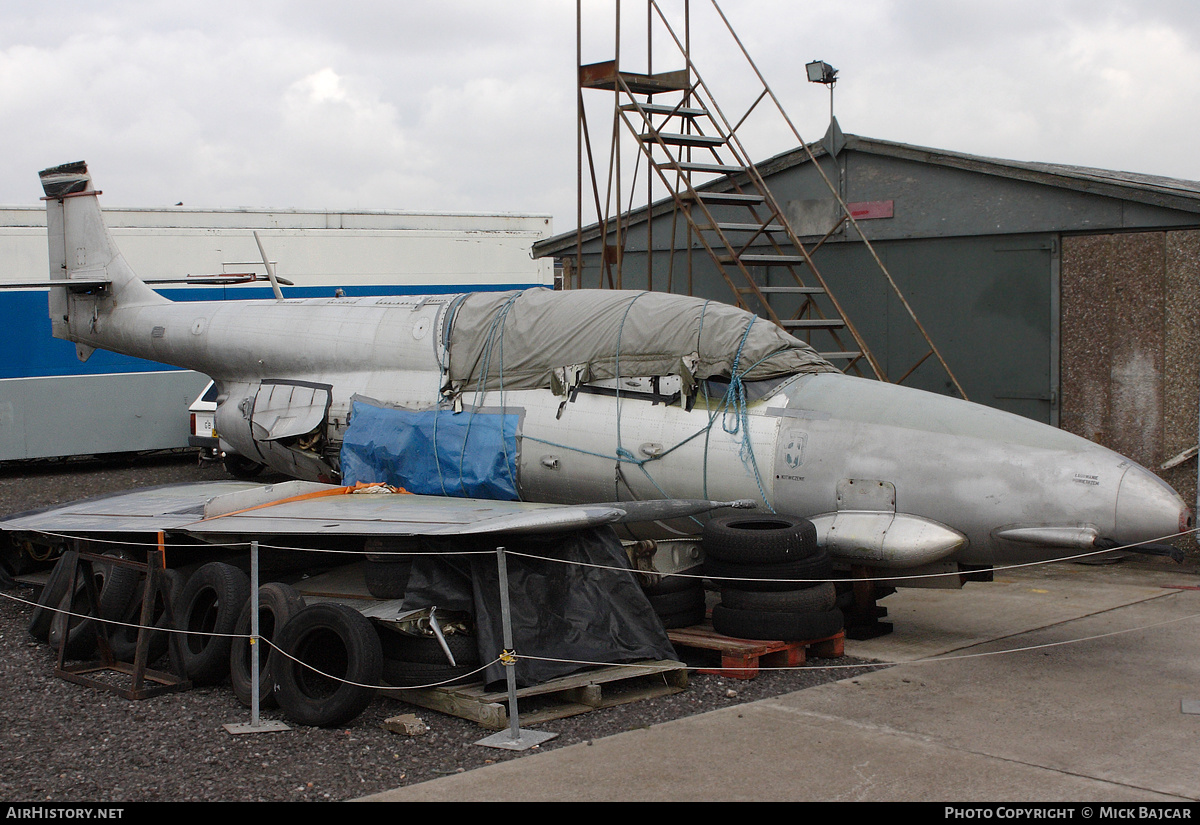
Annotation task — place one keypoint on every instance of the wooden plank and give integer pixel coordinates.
(743, 658)
(444, 700)
(556, 699)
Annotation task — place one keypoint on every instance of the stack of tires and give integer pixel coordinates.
(64, 613)
(414, 659)
(775, 582)
(418, 660)
(679, 600)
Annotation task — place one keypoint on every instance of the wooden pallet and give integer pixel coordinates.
(742, 658)
(555, 699)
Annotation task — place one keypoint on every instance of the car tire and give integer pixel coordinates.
(687, 617)
(387, 577)
(205, 617)
(124, 637)
(327, 662)
(398, 673)
(241, 467)
(775, 625)
(678, 602)
(52, 592)
(759, 539)
(277, 604)
(792, 575)
(408, 647)
(116, 586)
(805, 600)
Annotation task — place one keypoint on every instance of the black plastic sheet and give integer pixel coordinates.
(576, 605)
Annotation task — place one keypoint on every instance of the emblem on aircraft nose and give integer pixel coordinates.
(793, 453)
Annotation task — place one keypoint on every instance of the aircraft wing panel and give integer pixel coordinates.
(305, 508)
(147, 509)
(402, 515)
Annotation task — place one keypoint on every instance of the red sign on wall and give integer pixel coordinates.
(866, 210)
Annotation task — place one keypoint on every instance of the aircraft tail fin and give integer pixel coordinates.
(84, 255)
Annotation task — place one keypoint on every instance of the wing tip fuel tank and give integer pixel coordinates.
(893, 540)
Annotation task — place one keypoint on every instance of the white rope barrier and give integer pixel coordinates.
(869, 665)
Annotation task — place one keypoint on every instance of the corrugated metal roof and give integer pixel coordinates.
(1171, 193)
(1154, 190)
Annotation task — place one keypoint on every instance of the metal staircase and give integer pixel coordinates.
(695, 157)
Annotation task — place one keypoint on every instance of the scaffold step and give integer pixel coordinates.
(813, 323)
(746, 227)
(604, 75)
(726, 198)
(764, 260)
(663, 109)
(715, 168)
(785, 290)
(676, 139)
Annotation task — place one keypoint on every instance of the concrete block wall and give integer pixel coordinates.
(1130, 346)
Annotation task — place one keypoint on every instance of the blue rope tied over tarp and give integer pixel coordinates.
(622, 453)
(495, 332)
(735, 395)
(732, 408)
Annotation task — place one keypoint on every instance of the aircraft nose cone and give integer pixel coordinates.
(1147, 508)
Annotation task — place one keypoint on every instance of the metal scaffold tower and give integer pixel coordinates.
(669, 140)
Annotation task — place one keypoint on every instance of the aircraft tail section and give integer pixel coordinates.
(84, 256)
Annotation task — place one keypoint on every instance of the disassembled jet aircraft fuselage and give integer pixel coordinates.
(603, 396)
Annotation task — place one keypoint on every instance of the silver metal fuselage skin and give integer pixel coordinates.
(893, 477)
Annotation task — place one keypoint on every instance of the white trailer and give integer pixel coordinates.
(54, 405)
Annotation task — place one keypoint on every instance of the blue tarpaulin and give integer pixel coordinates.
(472, 453)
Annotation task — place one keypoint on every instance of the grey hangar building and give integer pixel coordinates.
(1065, 294)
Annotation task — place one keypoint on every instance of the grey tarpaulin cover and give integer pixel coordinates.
(546, 338)
(578, 611)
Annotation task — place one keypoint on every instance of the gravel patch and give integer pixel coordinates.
(64, 742)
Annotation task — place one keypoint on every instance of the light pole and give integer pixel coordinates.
(821, 72)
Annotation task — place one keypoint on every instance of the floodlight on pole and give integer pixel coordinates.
(821, 72)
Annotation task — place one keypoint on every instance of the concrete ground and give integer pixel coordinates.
(1070, 682)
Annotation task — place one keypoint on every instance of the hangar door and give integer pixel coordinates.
(988, 303)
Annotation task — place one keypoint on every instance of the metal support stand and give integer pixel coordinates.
(255, 725)
(138, 670)
(863, 617)
(516, 739)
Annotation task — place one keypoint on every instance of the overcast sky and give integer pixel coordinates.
(469, 105)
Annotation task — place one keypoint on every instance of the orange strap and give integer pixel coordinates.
(336, 491)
